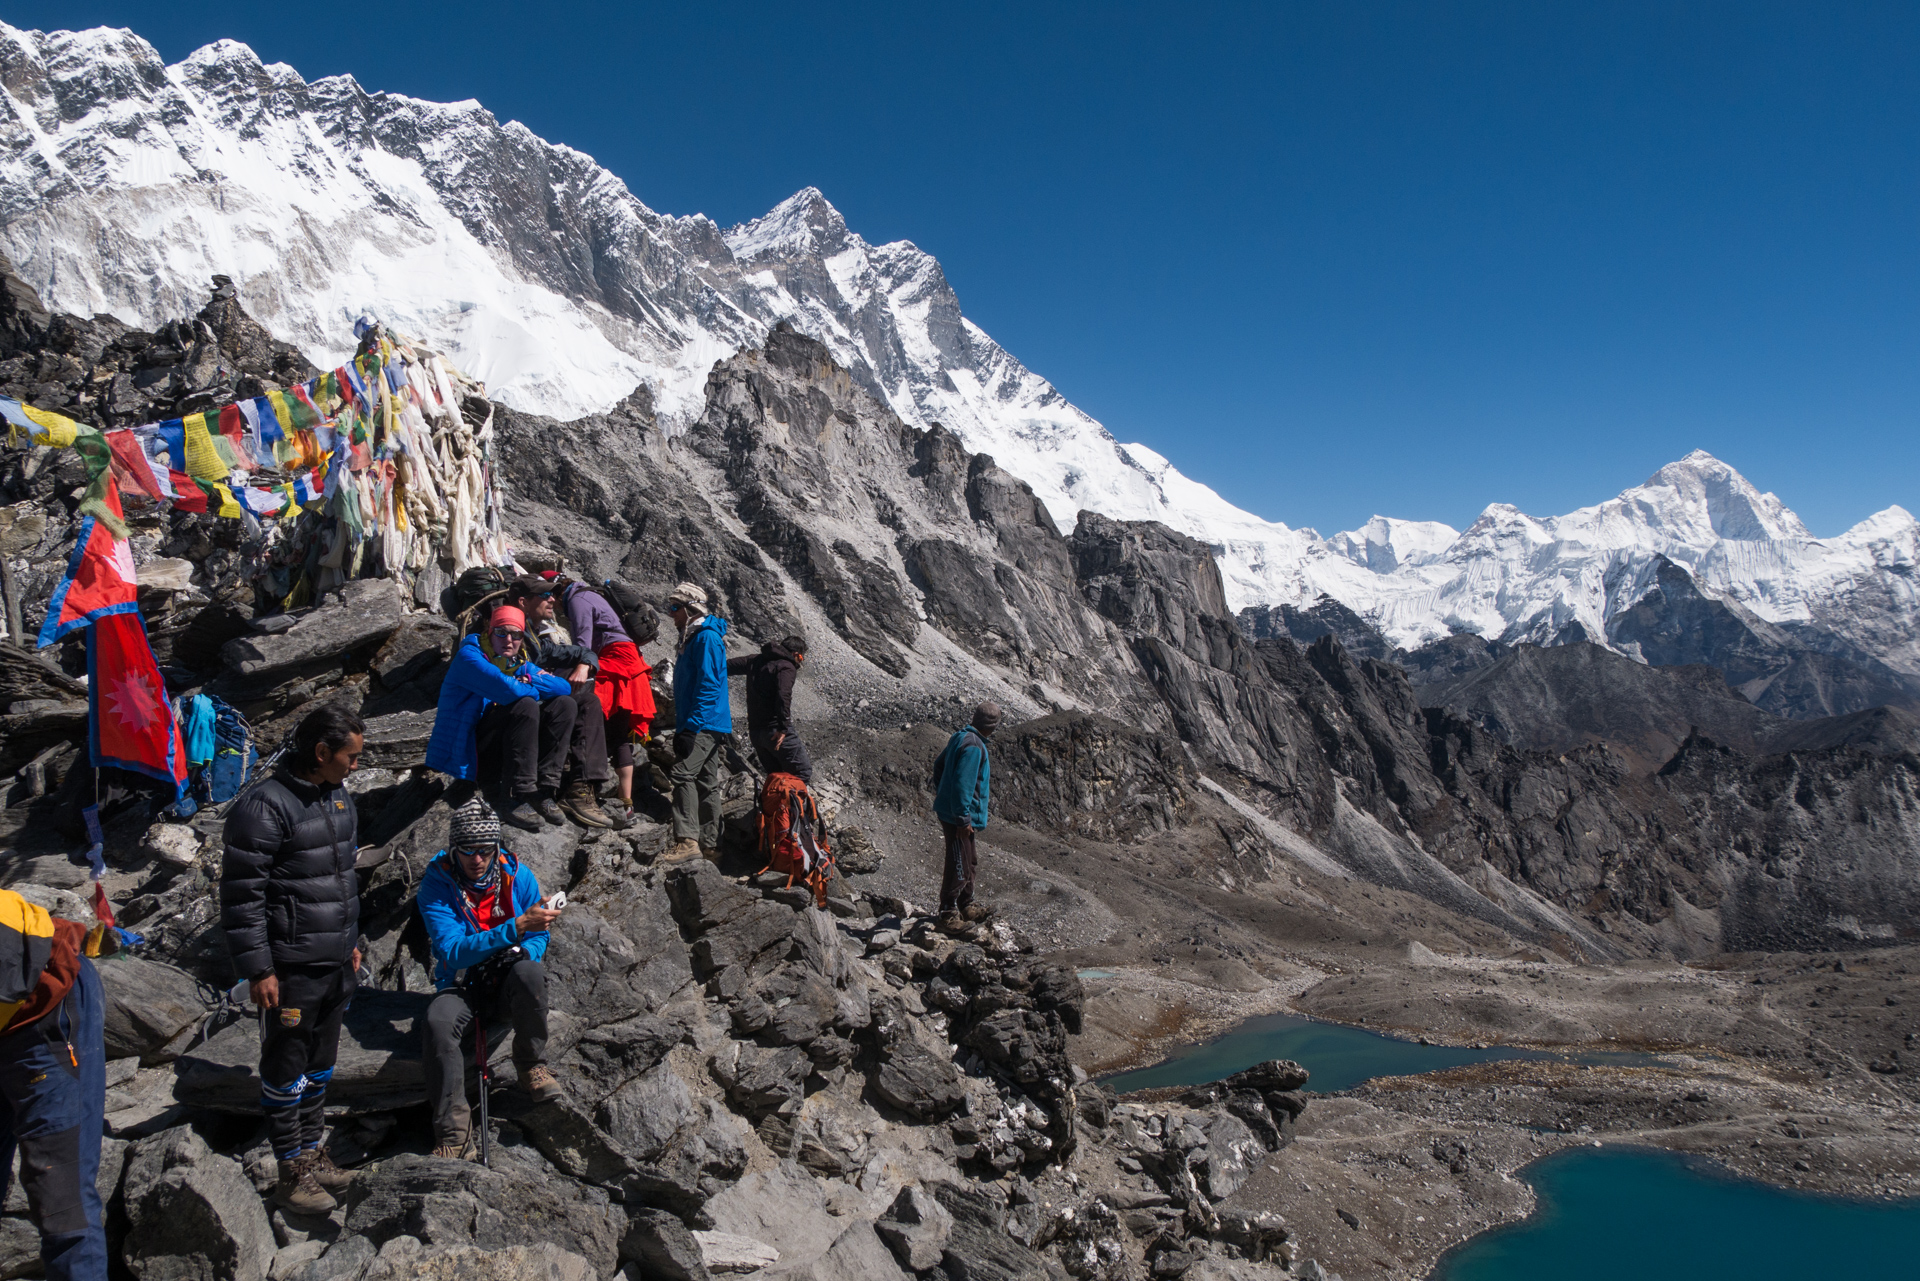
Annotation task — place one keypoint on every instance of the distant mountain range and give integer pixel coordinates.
(128, 183)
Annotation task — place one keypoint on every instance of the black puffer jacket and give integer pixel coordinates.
(769, 676)
(288, 891)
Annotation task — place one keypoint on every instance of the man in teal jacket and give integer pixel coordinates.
(703, 710)
(962, 782)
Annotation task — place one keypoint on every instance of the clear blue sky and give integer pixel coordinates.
(1332, 259)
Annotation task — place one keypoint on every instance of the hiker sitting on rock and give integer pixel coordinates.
(290, 906)
(961, 780)
(487, 928)
(770, 674)
(53, 1084)
(491, 694)
(551, 648)
(705, 715)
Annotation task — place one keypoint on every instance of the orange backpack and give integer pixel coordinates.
(792, 836)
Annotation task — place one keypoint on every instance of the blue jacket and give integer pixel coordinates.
(961, 780)
(455, 937)
(700, 698)
(471, 683)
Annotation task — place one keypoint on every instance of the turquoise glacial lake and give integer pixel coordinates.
(1613, 1212)
(1338, 1057)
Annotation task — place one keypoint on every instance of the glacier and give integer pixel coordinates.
(128, 183)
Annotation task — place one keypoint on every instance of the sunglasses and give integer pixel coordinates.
(484, 852)
(507, 633)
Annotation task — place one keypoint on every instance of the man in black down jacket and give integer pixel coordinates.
(290, 905)
(770, 725)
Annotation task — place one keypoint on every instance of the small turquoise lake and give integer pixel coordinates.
(1610, 1212)
(1337, 1056)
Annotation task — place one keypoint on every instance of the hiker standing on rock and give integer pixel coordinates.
(705, 721)
(770, 675)
(492, 694)
(961, 785)
(53, 1084)
(622, 677)
(290, 906)
(552, 648)
(487, 928)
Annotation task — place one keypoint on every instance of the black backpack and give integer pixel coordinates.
(637, 617)
(476, 584)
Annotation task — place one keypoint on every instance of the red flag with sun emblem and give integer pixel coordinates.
(130, 723)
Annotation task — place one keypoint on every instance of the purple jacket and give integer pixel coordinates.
(591, 620)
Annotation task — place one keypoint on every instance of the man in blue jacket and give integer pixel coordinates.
(487, 928)
(492, 694)
(961, 779)
(704, 715)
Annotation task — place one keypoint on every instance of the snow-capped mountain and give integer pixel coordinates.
(125, 184)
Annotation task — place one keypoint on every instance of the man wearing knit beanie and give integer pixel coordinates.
(961, 779)
(487, 929)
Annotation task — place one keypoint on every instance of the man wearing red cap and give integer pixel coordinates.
(492, 695)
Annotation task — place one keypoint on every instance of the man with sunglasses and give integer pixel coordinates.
(487, 928)
(492, 694)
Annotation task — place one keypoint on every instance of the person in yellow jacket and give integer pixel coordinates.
(53, 1084)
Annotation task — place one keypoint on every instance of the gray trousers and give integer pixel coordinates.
(521, 998)
(696, 780)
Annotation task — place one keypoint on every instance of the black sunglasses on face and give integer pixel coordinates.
(486, 852)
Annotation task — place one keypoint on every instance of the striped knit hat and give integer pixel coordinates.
(475, 825)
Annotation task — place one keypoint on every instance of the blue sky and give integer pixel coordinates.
(1331, 259)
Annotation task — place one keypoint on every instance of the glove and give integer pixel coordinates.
(682, 745)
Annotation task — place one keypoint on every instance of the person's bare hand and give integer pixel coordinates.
(536, 919)
(356, 960)
(779, 741)
(265, 993)
(580, 671)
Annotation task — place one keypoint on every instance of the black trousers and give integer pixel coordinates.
(587, 751)
(298, 1044)
(788, 758)
(521, 999)
(533, 739)
(956, 877)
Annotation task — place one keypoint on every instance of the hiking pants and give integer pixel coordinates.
(534, 738)
(53, 1099)
(587, 752)
(788, 758)
(956, 877)
(298, 1044)
(696, 780)
(521, 999)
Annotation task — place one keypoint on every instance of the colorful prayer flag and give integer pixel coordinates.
(100, 581)
(129, 722)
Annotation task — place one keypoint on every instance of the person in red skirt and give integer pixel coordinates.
(623, 680)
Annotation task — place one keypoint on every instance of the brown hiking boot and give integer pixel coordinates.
(328, 1175)
(977, 912)
(456, 1150)
(299, 1191)
(680, 851)
(951, 923)
(542, 1084)
(579, 801)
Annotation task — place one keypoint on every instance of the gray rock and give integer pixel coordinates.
(419, 643)
(783, 1204)
(192, 1213)
(148, 1004)
(398, 740)
(577, 1147)
(857, 1254)
(344, 1260)
(663, 1246)
(541, 1261)
(19, 1248)
(368, 611)
(294, 1259)
(173, 843)
(855, 852)
(915, 1072)
(765, 1079)
(649, 1112)
(725, 1252)
(916, 1228)
(1233, 1152)
(378, 1067)
(978, 1248)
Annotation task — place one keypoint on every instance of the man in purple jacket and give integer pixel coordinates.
(491, 694)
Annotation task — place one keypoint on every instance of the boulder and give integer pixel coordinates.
(368, 610)
(1233, 1152)
(345, 1260)
(378, 1068)
(783, 1204)
(172, 843)
(148, 1004)
(663, 1246)
(417, 645)
(854, 851)
(978, 1248)
(916, 1227)
(538, 1262)
(192, 1213)
(64, 904)
(857, 1254)
(915, 1072)
(725, 1252)
(649, 1113)
(398, 740)
(19, 1248)
(764, 1079)
(577, 1147)
(1274, 1074)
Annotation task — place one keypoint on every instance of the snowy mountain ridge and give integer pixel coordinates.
(128, 183)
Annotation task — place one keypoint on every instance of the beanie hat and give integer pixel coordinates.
(509, 616)
(474, 825)
(693, 597)
(986, 717)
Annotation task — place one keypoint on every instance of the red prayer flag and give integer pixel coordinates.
(191, 497)
(100, 581)
(129, 721)
(130, 465)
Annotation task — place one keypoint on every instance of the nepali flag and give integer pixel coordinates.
(130, 724)
(100, 581)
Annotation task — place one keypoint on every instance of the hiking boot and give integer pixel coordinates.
(456, 1150)
(542, 1084)
(580, 802)
(951, 923)
(523, 816)
(680, 851)
(328, 1175)
(297, 1190)
(977, 912)
(549, 810)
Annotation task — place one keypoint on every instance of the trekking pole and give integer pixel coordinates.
(486, 1082)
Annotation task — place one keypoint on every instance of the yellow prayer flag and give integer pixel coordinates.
(229, 505)
(203, 460)
(55, 429)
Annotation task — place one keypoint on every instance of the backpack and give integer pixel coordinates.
(233, 753)
(638, 619)
(476, 584)
(792, 836)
